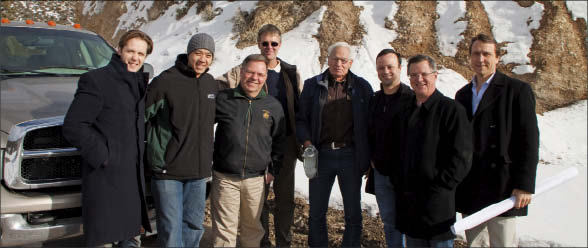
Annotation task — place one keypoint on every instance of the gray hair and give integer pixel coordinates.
(255, 58)
(419, 58)
(339, 44)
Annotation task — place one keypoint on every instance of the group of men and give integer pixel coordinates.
(430, 155)
(433, 156)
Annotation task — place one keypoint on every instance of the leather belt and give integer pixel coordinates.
(335, 145)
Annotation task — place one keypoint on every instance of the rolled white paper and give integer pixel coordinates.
(503, 206)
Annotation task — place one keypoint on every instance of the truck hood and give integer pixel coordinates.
(27, 98)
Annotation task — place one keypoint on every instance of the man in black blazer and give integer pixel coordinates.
(506, 145)
(435, 154)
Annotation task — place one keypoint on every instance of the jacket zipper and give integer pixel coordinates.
(246, 138)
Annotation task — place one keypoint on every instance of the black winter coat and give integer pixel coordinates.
(436, 155)
(506, 144)
(105, 123)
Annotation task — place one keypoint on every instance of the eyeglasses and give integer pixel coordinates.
(337, 60)
(417, 75)
(274, 44)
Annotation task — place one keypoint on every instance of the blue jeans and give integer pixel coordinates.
(333, 163)
(386, 199)
(180, 207)
(130, 242)
(410, 242)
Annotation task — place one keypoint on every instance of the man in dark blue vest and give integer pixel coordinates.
(283, 83)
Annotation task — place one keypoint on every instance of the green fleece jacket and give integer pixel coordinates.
(180, 111)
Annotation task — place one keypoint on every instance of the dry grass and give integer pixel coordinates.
(286, 15)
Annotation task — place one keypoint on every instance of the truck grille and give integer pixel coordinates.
(44, 138)
(37, 156)
(53, 168)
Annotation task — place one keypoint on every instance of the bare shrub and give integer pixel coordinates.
(286, 15)
(181, 12)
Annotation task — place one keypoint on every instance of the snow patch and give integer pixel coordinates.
(563, 135)
(171, 36)
(523, 69)
(449, 29)
(372, 18)
(578, 9)
(301, 39)
(135, 15)
(449, 82)
(93, 7)
(512, 24)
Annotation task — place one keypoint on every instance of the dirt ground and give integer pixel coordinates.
(373, 230)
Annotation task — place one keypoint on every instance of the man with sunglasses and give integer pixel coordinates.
(435, 155)
(283, 83)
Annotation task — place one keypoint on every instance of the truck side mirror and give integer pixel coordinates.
(148, 68)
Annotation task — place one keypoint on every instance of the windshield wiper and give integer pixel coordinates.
(86, 68)
(25, 73)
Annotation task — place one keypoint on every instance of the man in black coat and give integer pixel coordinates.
(105, 122)
(384, 109)
(436, 152)
(506, 145)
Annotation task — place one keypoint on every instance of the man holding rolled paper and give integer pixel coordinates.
(501, 110)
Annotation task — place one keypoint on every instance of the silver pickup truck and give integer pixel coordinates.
(40, 64)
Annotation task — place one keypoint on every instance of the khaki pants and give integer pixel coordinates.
(496, 232)
(284, 198)
(234, 200)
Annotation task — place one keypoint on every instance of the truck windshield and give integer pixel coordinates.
(33, 51)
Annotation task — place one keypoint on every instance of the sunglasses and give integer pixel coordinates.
(265, 43)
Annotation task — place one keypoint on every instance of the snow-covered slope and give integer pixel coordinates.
(558, 218)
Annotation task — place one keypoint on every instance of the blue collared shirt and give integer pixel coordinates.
(477, 96)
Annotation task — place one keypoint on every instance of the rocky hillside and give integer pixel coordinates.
(558, 51)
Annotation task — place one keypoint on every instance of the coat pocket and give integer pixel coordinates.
(439, 205)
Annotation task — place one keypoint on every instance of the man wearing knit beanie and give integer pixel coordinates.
(201, 51)
(180, 119)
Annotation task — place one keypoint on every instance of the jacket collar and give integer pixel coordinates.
(120, 66)
(495, 89)
(433, 99)
(285, 65)
(402, 89)
(323, 79)
(182, 65)
(239, 93)
(136, 80)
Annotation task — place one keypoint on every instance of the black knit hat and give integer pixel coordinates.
(201, 40)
